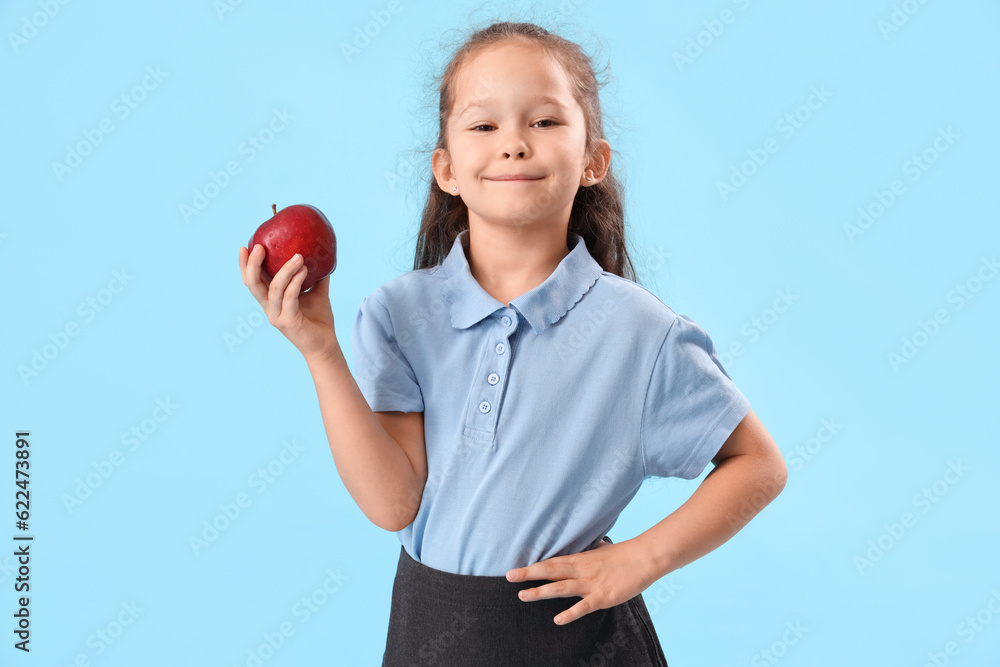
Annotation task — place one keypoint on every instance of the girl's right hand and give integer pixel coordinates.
(307, 319)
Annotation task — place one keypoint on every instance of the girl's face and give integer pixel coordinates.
(500, 125)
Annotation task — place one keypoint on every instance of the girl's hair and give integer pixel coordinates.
(597, 213)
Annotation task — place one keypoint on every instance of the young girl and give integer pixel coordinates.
(514, 390)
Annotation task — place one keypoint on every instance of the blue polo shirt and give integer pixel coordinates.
(543, 416)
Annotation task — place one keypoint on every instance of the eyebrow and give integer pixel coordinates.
(542, 99)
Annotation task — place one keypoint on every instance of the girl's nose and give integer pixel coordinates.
(513, 144)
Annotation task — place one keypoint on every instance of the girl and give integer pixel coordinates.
(515, 389)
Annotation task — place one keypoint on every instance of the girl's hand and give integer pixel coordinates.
(307, 319)
(604, 576)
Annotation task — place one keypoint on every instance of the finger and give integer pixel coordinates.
(558, 567)
(557, 589)
(280, 281)
(580, 609)
(243, 264)
(251, 274)
(247, 269)
(290, 302)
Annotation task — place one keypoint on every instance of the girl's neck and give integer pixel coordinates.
(509, 261)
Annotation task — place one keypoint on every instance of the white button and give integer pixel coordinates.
(493, 378)
(484, 407)
(500, 348)
(505, 320)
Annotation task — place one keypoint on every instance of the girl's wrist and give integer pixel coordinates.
(324, 358)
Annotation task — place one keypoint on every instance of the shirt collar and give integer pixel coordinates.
(541, 306)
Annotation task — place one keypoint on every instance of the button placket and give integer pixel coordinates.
(482, 419)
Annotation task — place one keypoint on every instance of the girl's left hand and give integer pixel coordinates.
(604, 576)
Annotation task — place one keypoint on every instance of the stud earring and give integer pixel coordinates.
(589, 178)
(454, 188)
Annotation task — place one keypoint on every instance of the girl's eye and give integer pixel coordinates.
(544, 120)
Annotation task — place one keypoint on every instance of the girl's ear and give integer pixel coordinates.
(600, 161)
(441, 166)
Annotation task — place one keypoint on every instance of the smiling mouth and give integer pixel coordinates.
(516, 179)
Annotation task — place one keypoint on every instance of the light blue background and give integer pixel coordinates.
(349, 149)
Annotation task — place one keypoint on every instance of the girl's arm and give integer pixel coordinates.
(749, 473)
(380, 457)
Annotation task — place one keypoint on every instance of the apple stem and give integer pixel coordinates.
(274, 209)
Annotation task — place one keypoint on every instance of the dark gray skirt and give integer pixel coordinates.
(459, 620)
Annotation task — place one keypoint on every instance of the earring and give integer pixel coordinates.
(589, 178)
(454, 188)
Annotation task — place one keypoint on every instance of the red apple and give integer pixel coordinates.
(299, 229)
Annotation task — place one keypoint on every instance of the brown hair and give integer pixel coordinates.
(597, 213)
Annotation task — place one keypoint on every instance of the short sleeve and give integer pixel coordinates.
(382, 372)
(691, 404)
